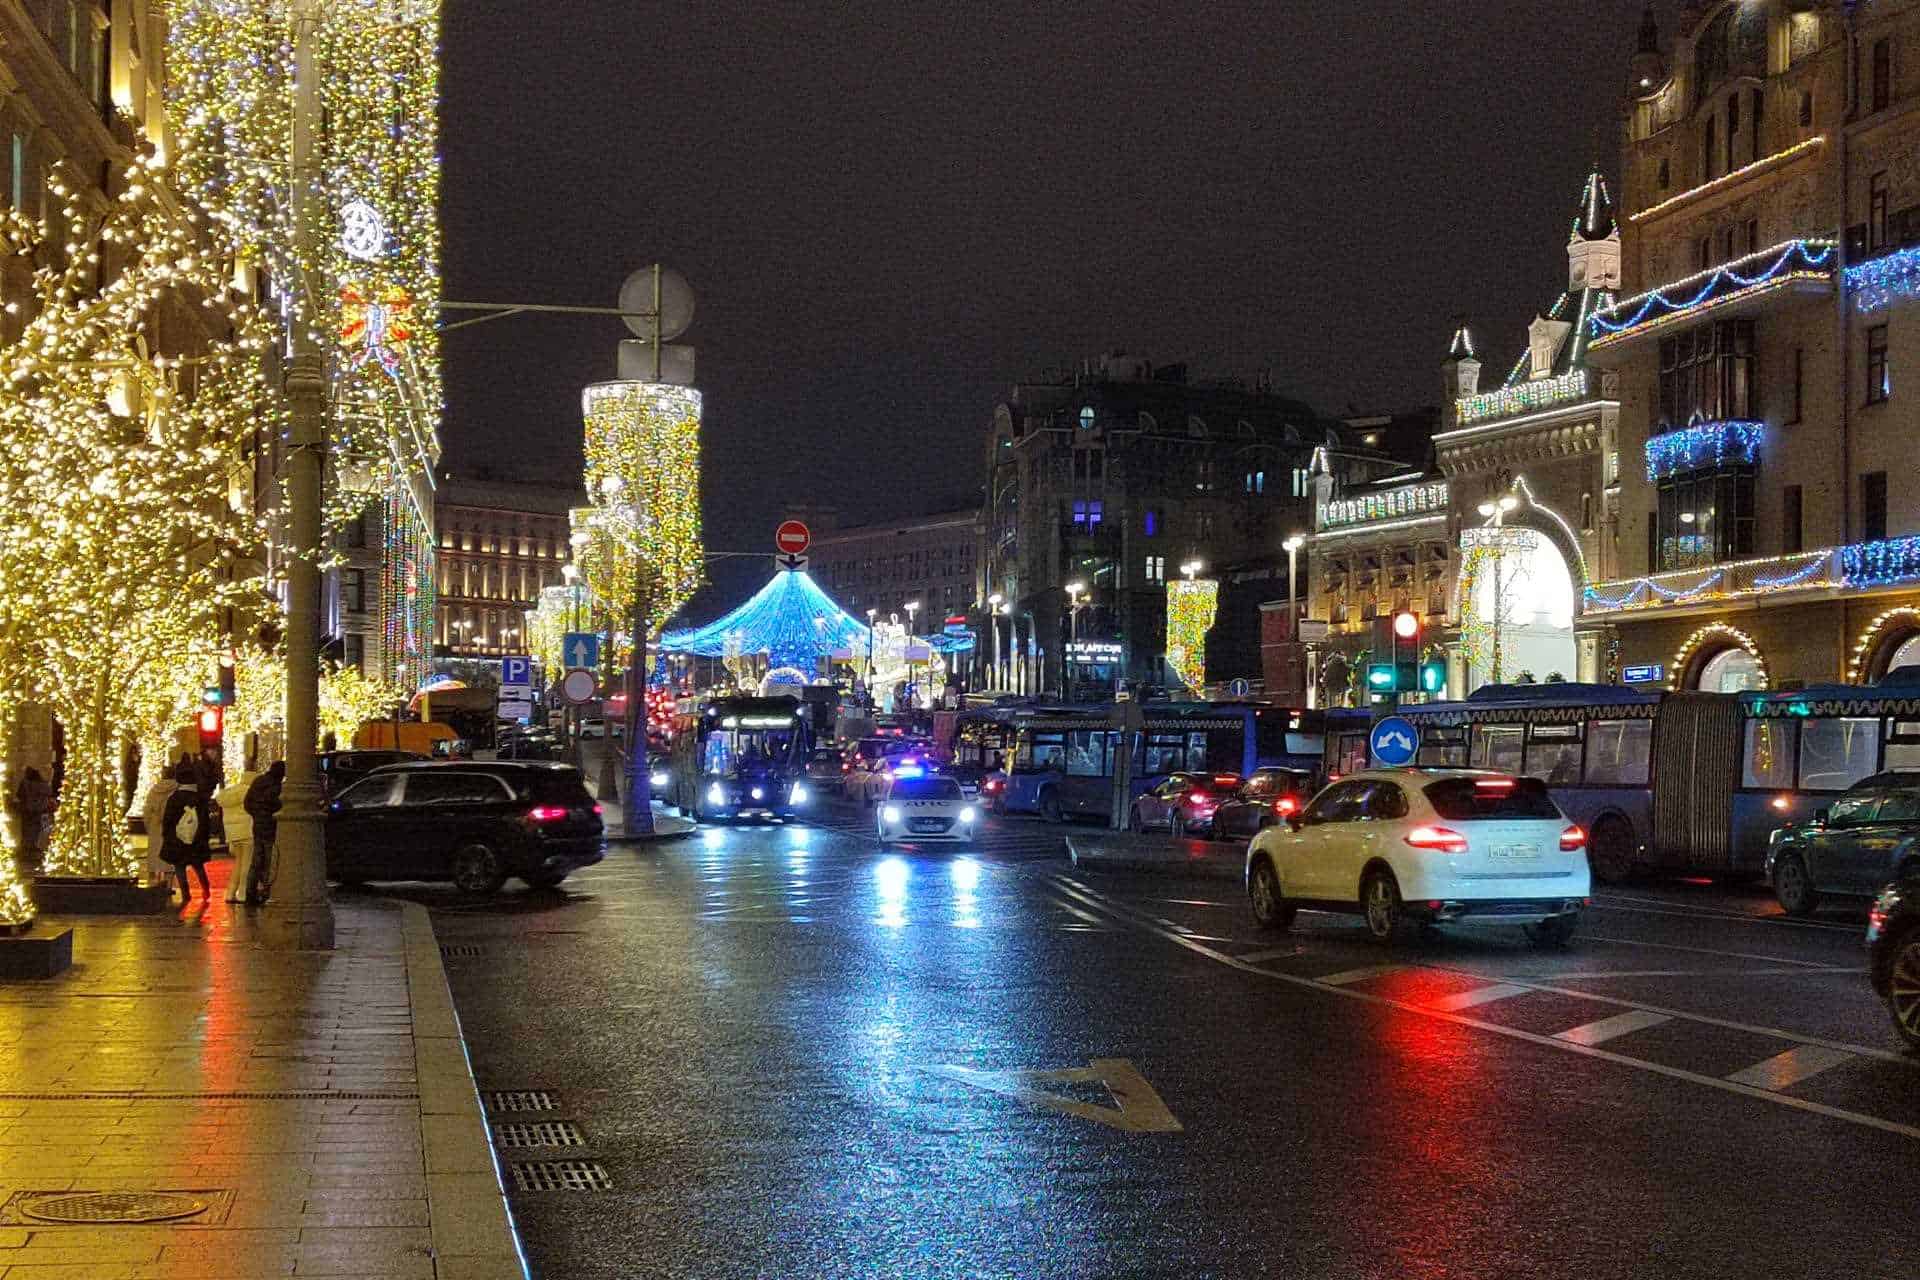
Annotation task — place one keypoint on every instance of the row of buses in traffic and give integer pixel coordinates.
(1663, 782)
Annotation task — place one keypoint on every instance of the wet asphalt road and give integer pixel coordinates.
(794, 1055)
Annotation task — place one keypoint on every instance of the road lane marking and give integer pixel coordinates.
(1345, 976)
(1529, 1037)
(1479, 996)
(1707, 951)
(1662, 907)
(1611, 1028)
(1271, 953)
(1791, 1067)
(1137, 1109)
(1704, 973)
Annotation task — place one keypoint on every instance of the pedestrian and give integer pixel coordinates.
(33, 802)
(183, 831)
(263, 807)
(238, 824)
(153, 813)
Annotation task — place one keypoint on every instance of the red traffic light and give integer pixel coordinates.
(1406, 625)
(211, 721)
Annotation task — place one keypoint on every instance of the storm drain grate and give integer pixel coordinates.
(538, 1133)
(461, 950)
(520, 1100)
(561, 1175)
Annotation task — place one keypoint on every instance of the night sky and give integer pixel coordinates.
(892, 211)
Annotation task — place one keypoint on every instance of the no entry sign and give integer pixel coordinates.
(792, 538)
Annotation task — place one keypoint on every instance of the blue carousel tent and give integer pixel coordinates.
(791, 620)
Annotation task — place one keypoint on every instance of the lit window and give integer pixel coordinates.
(1086, 418)
(1879, 372)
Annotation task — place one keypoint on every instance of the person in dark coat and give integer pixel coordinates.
(180, 848)
(263, 806)
(33, 801)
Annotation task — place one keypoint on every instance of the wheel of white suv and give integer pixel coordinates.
(1380, 902)
(1270, 909)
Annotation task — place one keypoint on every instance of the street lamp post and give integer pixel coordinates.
(1497, 513)
(1293, 544)
(994, 602)
(1076, 594)
(299, 914)
(873, 616)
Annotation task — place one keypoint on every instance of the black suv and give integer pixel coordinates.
(1893, 941)
(472, 822)
(1870, 836)
(341, 769)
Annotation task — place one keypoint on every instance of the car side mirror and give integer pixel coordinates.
(1820, 817)
(1296, 820)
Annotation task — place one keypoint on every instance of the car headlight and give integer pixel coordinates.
(890, 814)
(798, 795)
(968, 814)
(758, 794)
(716, 794)
(658, 779)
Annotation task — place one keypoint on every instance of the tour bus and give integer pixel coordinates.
(1062, 757)
(736, 757)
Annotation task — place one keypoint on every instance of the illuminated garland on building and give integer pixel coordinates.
(1869, 639)
(1521, 397)
(1795, 577)
(1796, 259)
(406, 596)
(1677, 667)
(1880, 564)
(1705, 444)
(1386, 505)
(1881, 282)
(1726, 180)
(1192, 605)
(643, 476)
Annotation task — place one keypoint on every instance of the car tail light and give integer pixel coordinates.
(1198, 797)
(1226, 780)
(1493, 784)
(1286, 806)
(547, 813)
(1782, 803)
(1439, 839)
(1876, 918)
(1573, 838)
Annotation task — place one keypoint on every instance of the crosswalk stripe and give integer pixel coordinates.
(1342, 978)
(1271, 953)
(1605, 1029)
(1478, 996)
(1791, 1067)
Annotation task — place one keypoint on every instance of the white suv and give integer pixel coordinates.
(1430, 846)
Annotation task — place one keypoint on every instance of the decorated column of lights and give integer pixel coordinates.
(1696, 294)
(406, 595)
(643, 476)
(1703, 445)
(1483, 546)
(112, 461)
(1677, 666)
(1863, 648)
(1192, 605)
(1880, 282)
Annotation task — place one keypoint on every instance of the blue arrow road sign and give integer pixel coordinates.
(1394, 741)
(580, 650)
(516, 671)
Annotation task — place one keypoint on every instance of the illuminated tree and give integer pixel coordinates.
(349, 698)
(1192, 605)
(120, 549)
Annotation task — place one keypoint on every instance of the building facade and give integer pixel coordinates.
(1771, 195)
(500, 543)
(926, 561)
(1113, 479)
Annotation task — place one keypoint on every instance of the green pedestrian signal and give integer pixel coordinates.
(1433, 677)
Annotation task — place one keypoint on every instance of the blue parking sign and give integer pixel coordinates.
(1394, 741)
(516, 670)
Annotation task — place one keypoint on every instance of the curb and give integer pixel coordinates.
(1187, 868)
(472, 1225)
(658, 837)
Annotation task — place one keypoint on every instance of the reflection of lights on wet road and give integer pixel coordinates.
(966, 908)
(799, 837)
(890, 877)
(712, 837)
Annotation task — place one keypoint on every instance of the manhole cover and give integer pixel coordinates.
(538, 1133)
(561, 1175)
(115, 1206)
(520, 1100)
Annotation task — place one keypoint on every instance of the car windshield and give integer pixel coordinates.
(1474, 799)
(925, 789)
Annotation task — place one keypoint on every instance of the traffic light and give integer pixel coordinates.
(1406, 651)
(1381, 677)
(213, 720)
(1433, 677)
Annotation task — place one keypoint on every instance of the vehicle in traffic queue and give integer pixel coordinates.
(930, 807)
(1851, 849)
(827, 770)
(1893, 945)
(341, 769)
(1268, 798)
(472, 822)
(1184, 804)
(740, 757)
(870, 786)
(1404, 847)
(659, 777)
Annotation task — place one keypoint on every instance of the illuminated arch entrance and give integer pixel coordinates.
(1518, 591)
(1891, 641)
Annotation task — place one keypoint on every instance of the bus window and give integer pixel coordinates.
(1166, 753)
(1086, 753)
(1903, 744)
(1618, 752)
(1770, 754)
(1553, 754)
(1047, 750)
(1498, 746)
(1351, 754)
(1218, 751)
(1835, 754)
(718, 757)
(1443, 748)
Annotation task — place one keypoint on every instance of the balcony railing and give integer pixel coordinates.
(1859, 566)
(1716, 289)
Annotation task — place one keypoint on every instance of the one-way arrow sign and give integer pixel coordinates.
(580, 650)
(792, 564)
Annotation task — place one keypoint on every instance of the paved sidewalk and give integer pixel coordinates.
(666, 826)
(1166, 855)
(319, 1104)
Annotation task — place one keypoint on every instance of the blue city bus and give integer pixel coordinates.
(737, 757)
(1058, 760)
(1592, 744)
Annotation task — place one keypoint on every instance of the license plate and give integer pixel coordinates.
(1516, 852)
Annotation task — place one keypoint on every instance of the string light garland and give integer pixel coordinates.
(1879, 283)
(1677, 667)
(1818, 561)
(1729, 179)
(1869, 639)
(790, 620)
(1702, 445)
(1522, 397)
(1192, 606)
(1880, 564)
(406, 595)
(1780, 264)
